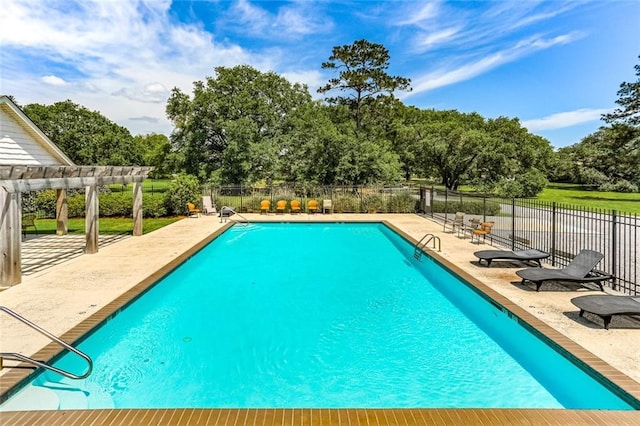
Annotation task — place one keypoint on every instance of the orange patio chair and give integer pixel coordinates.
(193, 210)
(265, 206)
(281, 206)
(295, 206)
(484, 229)
(312, 206)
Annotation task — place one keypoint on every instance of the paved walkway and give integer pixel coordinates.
(64, 294)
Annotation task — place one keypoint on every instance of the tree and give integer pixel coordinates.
(629, 101)
(362, 70)
(156, 152)
(611, 155)
(86, 137)
(219, 128)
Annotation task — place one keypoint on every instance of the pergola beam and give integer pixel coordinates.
(15, 179)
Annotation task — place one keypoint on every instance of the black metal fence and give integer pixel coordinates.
(560, 229)
(345, 199)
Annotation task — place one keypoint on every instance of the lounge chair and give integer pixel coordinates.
(28, 221)
(483, 230)
(265, 206)
(281, 206)
(607, 306)
(327, 206)
(456, 225)
(295, 206)
(579, 270)
(312, 206)
(531, 255)
(193, 211)
(207, 206)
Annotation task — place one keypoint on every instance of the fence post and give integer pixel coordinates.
(484, 208)
(446, 202)
(240, 196)
(513, 224)
(553, 233)
(614, 247)
(432, 197)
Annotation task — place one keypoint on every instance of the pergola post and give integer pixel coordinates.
(137, 208)
(91, 219)
(10, 238)
(62, 212)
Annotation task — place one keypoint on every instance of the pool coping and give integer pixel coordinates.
(411, 416)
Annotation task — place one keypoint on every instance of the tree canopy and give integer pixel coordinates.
(86, 137)
(242, 125)
(362, 69)
(629, 102)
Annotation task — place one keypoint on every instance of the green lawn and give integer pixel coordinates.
(148, 186)
(572, 194)
(108, 225)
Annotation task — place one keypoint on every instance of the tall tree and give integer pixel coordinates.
(362, 70)
(629, 101)
(87, 137)
(217, 129)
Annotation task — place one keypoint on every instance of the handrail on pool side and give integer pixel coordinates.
(14, 356)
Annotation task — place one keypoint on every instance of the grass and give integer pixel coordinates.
(148, 186)
(576, 195)
(108, 225)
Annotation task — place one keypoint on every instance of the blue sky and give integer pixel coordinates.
(556, 65)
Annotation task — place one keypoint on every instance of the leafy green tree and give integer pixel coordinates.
(609, 155)
(495, 155)
(86, 137)
(227, 116)
(362, 68)
(156, 152)
(629, 101)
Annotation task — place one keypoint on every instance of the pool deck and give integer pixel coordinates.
(68, 298)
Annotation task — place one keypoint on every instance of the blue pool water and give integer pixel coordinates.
(315, 315)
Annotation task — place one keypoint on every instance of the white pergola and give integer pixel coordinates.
(16, 179)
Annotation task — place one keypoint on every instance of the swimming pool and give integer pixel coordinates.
(345, 318)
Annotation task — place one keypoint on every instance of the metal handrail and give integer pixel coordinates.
(19, 357)
(426, 239)
(232, 209)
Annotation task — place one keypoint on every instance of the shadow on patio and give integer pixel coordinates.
(42, 252)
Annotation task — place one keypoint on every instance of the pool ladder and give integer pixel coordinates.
(14, 356)
(420, 245)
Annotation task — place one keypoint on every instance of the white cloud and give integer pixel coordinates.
(428, 40)
(54, 81)
(565, 119)
(472, 69)
(426, 13)
(110, 57)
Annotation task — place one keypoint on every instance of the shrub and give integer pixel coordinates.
(45, 202)
(490, 208)
(372, 203)
(401, 202)
(75, 205)
(182, 190)
(153, 205)
(346, 204)
(619, 186)
(117, 204)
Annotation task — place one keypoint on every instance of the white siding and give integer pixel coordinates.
(19, 147)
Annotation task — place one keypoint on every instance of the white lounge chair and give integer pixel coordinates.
(207, 206)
